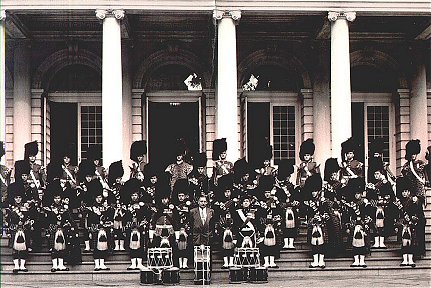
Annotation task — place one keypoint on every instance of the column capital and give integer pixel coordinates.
(2, 15)
(103, 13)
(334, 16)
(220, 14)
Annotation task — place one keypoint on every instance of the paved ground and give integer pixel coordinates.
(413, 280)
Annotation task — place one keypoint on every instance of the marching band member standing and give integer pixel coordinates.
(17, 215)
(413, 170)
(221, 165)
(138, 150)
(307, 167)
(350, 166)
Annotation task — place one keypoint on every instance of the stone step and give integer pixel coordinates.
(282, 263)
(6, 256)
(124, 277)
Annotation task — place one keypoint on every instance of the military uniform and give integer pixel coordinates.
(37, 172)
(350, 168)
(307, 167)
(221, 167)
(17, 215)
(138, 150)
(60, 224)
(4, 178)
(413, 170)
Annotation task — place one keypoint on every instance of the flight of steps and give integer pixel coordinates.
(292, 262)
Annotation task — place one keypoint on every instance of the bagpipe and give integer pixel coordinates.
(227, 204)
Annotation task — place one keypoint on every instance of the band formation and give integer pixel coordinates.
(237, 207)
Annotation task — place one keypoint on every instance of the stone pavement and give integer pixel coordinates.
(413, 280)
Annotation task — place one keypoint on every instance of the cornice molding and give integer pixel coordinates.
(220, 14)
(334, 16)
(118, 14)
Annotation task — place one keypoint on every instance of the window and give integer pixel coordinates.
(378, 126)
(270, 116)
(91, 128)
(283, 130)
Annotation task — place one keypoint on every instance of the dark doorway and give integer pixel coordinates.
(167, 123)
(358, 129)
(64, 130)
(257, 130)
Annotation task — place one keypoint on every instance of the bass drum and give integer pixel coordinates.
(237, 275)
(259, 275)
(171, 276)
(148, 277)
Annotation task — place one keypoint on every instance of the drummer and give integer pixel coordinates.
(245, 218)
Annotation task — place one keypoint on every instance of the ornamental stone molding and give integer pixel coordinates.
(2, 15)
(334, 16)
(103, 13)
(220, 14)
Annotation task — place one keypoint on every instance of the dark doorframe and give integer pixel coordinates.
(168, 122)
(358, 129)
(64, 130)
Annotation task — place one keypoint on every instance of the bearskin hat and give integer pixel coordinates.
(54, 171)
(355, 185)
(180, 186)
(55, 189)
(30, 149)
(138, 148)
(331, 166)
(94, 152)
(313, 183)
(21, 167)
(115, 171)
(2, 149)
(200, 160)
(225, 182)
(240, 168)
(266, 183)
(95, 188)
(130, 186)
(285, 168)
(402, 184)
(307, 147)
(219, 146)
(412, 147)
(69, 150)
(374, 164)
(86, 168)
(377, 145)
(150, 171)
(15, 189)
(348, 146)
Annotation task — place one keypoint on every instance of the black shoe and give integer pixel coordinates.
(354, 265)
(24, 270)
(323, 266)
(128, 268)
(53, 270)
(363, 266)
(96, 269)
(15, 271)
(413, 265)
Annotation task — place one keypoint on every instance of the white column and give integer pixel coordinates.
(341, 98)
(226, 88)
(321, 107)
(21, 99)
(3, 81)
(127, 110)
(418, 103)
(112, 111)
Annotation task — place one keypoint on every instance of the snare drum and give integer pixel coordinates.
(237, 275)
(147, 276)
(247, 257)
(171, 276)
(159, 258)
(259, 275)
